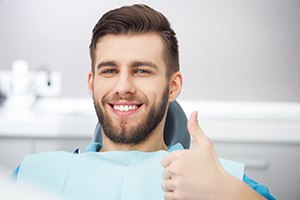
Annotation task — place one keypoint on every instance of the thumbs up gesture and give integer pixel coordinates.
(197, 173)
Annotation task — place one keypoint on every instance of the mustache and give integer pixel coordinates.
(124, 97)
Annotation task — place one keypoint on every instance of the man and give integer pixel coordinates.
(134, 77)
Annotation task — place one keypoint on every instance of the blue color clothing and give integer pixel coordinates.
(83, 165)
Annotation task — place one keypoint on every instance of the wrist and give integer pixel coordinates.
(234, 188)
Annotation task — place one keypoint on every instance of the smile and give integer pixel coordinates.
(125, 108)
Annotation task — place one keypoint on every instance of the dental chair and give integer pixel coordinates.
(128, 177)
(175, 130)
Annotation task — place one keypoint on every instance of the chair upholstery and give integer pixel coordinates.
(175, 128)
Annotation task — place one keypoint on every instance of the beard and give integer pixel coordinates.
(134, 134)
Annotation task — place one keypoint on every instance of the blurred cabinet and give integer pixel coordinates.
(273, 164)
(12, 151)
(64, 144)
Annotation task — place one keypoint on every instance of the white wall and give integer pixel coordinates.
(230, 50)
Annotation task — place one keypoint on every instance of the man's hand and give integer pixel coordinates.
(198, 174)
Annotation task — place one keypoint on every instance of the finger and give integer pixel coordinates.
(169, 196)
(166, 174)
(167, 160)
(167, 185)
(194, 128)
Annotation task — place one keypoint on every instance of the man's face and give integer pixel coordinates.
(130, 88)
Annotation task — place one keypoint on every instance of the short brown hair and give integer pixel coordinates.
(137, 19)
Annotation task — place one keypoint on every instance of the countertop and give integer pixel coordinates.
(221, 121)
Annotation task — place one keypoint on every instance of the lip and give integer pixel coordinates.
(125, 113)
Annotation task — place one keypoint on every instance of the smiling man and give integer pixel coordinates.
(131, 90)
(134, 77)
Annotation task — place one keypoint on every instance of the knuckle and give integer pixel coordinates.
(172, 170)
(208, 144)
(180, 153)
(179, 195)
(177, 154)
(169, 196)
(175, 169)
(177, 182)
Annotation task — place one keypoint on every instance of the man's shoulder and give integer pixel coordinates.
(44, 166)
(37, 161)
(44, 156)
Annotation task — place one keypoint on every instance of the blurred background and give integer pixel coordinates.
(241, 65)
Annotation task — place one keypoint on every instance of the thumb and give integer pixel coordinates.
(194, 129)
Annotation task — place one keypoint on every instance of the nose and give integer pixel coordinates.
(125, 84)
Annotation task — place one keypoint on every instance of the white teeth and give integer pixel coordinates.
(124, 108)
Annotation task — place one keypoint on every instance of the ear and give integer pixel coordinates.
(90, 82)
(175, 85)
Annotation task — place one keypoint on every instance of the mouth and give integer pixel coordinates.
(125, 109)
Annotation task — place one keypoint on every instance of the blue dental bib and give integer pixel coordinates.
(125, 175)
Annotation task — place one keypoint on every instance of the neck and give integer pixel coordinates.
(154, 142)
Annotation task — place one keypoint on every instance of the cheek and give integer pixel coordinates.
(101, 88)
(152, 89)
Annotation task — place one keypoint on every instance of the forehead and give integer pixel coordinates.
(125, 48)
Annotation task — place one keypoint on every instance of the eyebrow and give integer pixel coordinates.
(143, 63)
(106, 64)
(133, 64)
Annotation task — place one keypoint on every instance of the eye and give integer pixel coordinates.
(109, 71)
(142, 71)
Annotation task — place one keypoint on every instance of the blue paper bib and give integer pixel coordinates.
(116, 175)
